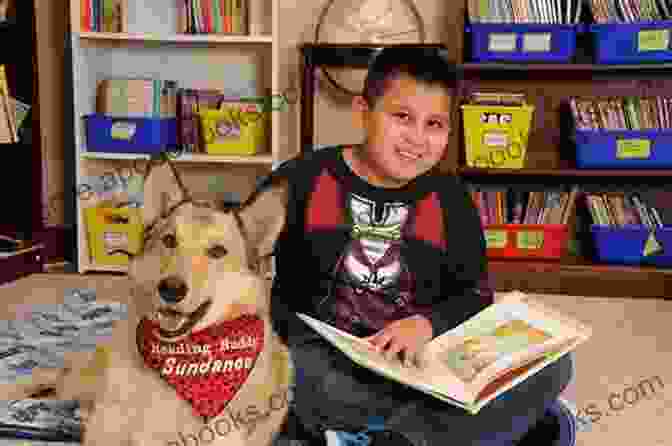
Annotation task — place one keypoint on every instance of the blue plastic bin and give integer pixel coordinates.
(522, 42)
(624, 245)
(613, 149)
(129, 135)
(632, 43)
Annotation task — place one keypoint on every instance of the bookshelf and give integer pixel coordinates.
(551, 156)
(151, 47)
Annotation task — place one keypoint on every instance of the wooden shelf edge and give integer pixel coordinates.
(476, 171)
(500, 265)
(187, 158)
(508, 67)
(177, 38)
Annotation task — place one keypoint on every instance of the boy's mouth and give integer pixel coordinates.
(410, 156)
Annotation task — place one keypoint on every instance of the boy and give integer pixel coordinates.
(381, 244)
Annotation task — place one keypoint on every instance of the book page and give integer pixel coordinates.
(504, 335)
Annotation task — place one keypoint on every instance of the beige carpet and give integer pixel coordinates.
(627, 362)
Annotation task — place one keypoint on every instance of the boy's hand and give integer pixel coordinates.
(407, 335)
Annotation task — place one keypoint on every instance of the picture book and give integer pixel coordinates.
(475, 362)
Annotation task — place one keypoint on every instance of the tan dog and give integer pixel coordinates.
(201, 270)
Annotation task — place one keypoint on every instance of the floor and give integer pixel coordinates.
(622, 387)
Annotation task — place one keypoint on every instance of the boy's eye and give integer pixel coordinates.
(401, 115)
(217, 251)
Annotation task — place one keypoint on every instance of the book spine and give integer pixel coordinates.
(217, 19)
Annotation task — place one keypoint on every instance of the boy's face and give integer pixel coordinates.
(406, 132)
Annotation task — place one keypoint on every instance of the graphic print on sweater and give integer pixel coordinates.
(372, 284)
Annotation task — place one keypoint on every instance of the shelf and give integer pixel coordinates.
(188, 158)
(178, 38)
(475, 171)
(571, 266)
(493, 66)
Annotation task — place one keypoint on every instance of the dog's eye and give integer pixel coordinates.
(217, 251)
(169, 241)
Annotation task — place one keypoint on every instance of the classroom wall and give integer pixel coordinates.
(333, 122)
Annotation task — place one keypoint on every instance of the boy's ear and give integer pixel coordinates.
(163, 189)
(359, 111)
(264, 216)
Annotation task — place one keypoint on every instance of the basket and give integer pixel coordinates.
(129, 135)
(238, 129)
(522, 42)
(626, 245)
(632, 43)
(496, 135)
(628, 149)
(524, 241)
(112, 229)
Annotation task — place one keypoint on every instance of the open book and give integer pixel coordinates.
(475, 362)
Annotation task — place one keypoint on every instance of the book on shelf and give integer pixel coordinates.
(8, 125)
(628, 11)
(137, 97)
(504, 205)
(212, 17)
(108, 16)
(475, 362)
(623, 113)
(525, 11)
(651, 208)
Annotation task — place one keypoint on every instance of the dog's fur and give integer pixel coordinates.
(130, 404)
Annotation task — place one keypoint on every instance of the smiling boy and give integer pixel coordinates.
(382, 244)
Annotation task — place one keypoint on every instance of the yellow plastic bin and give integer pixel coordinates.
(112, 229)
(234, 129)
(496, 135)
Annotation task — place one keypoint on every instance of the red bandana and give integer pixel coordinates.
(208, 367)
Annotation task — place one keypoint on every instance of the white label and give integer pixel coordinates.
(115, 240)
(502, 42)
(537, 42)
(495, 139)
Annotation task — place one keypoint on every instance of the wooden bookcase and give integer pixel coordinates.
(151, 47)
(550, 159)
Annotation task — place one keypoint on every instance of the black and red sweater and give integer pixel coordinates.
(359, 256)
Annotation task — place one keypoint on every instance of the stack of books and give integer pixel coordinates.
(510, 206)
(138, 98)
(525, 11)
(213, 16)
(627, 11)
(650, 208)
(625, 113)
(108, 16)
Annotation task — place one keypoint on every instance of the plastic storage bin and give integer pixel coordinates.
(496, 135)
(512, 241)
(129, 135)
(625, 245)
(632, 43)
(234, 131)
(110, 229)
(623, 148)
(522, 42)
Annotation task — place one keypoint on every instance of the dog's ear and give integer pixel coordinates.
(163, 189)
(264, 216)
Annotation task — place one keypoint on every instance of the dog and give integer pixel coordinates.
(197, 361)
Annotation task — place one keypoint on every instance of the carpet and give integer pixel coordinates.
(622, 387)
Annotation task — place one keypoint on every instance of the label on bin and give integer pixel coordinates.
(495, 139)
(113, 240)
(633, 148)
(653, 40)
(537, 42)
(123, 130)
(530, 239)
(652, 246)
(495, 239)
(502, 42)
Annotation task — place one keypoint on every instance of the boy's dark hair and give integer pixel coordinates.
(426, 65)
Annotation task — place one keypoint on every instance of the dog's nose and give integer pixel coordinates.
(172, 290)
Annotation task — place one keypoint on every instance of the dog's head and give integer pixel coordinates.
(200, 257)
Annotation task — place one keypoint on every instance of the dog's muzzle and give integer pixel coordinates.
(183, 323)
(172, 290)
